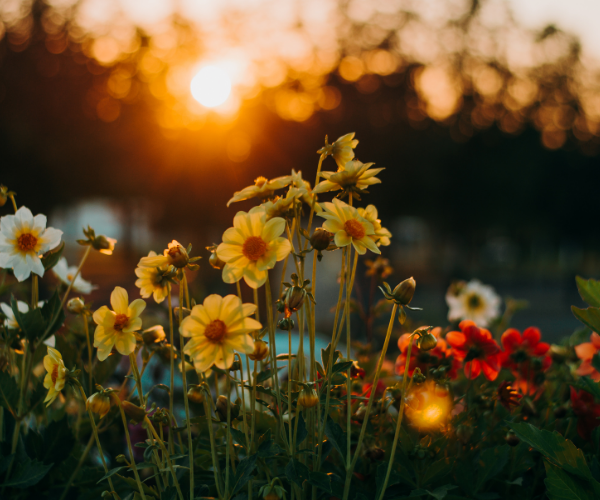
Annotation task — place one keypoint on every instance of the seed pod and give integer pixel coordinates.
(418, 377)
(76, 305)
(261, 351)
(134, 412)
(320, 239)
(308, 398)
(235, 366)
(196, 394)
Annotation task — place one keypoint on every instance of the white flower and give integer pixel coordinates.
(23, 239)
(65, 274)
(474, 301)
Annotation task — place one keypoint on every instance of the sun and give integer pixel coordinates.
(211, 86)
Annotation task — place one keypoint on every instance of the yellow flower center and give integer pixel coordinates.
(474, 301)
(215, 331)
(26, 242)
(54, 374)
(354, 229)
(120, 322)
(254, 248)
(70, 277)
(260, 181)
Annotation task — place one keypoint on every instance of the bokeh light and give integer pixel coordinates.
(211, 86)
(428, 406)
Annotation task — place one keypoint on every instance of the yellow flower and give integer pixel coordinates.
(252, 246)
(342, 149)
(262, 187)
(304, 191)
(98, 403)
(218, 327)
(56, 376)
(151, 281)
(348, 226)
(354, 176)
(382, 235)
(115, 328)
(174, 255)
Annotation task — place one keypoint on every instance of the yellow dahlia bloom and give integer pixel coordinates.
(342, 149)
(382, 235)
(174, 255)
(348, 226)
(354, 175)
(56, 376)
(304, 191)
(150, 280)
(217, 328)
(262, 188)
(115, 328)
(23, 239)
(252, 246)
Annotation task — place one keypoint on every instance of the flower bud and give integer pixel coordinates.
(320, 239)
(280, 305)
(3, 195)
(134, 412)
(271, 492)
(215, 262)
(121, 459)
(98, 403)
(418, 377)
(177, 255)
(427, 341)
(221, 408)
(511, 439)
(404, 292)
(308, 398)
(294, 298)
(104, 244)
(235, 366)
(196, 394)
(261, 351)
(375, 454)
(286, 324)
(154, 335)
(76, 305)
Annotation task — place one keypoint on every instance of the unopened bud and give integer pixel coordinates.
(418, 377)
(134, 412)
(320, 239)
(427, 341)
(361, 413)
(261, 351)
(121, 459)
(286, 324)
(196, 394)
(154, 335)
(98, 403)
(3, 195)
(294, 298)
(235, 366)
(177, 255)
(76, 305)
(559, 354)
(308, 398)
(221, 408)
(215, 262)
(104, 244)
(404, 292)
(511, 439)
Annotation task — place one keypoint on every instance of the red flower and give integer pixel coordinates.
(526, 357)
(477, 349)
(379, 390)
(585, 352)
(439, 355)
(586, 411)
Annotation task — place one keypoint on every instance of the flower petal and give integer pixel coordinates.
(119, 300)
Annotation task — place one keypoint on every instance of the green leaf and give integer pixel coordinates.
(557, 450)
(436, 471)
(27, 474)
(589, 290)
(596, 362)
(243, 472)
(590, 317)
(336, 435)
(587, 384)
(269, 449)
(104, 369)
(111, 472)
(238, 436)
(50, 259)
(9, 392)
(32, 323)
(51, 310)
(320, 480)
(341, 367)
(302, 432)
(380, 478)
(58, 441)
(267, 374)
(492, 461)
(441, 492)
(563, 486)
(297, 472)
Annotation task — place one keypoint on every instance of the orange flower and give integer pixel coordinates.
(585, 352)
(425, 359)
(477, 349)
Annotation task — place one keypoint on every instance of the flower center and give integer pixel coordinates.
(215, 330)
(121, 321)
(27, 242)
(474, 353)
(54, 374)
(260, 181)
(474, 301)
(354, 229)
(70, 277)
(254, 248)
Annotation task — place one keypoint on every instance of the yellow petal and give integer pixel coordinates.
(119, 300)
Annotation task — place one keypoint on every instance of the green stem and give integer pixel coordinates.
(314, 200)
(172, 365)
(79, 464)
(208, 413)
(228, 437)
(90, 352)
(129, 447)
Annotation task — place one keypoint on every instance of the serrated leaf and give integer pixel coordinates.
(336, 435)
(590, 317)
(492, 461)
(297, 472)
(561, 485)
(53, 314)
(441, 492)
(27, 474)
(380, 478)
(238, 436)
(243, 472)
(589, 290)
(341, 367)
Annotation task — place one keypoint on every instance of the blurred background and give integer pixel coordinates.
(142, 117)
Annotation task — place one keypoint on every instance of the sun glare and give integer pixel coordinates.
(211, 86)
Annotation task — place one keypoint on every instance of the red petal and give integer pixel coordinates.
(489, 372)
(586, 351)
(465, 323)
(595, 338)
(456, 339)
(531, 336)
(511, 338)
(541, 349)
(473, 369)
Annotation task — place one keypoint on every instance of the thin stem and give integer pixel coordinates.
(348, 355)
(228, 437)
(172, 365)
(314, 200)
(129, 447)
(79, 464)
(90, 352)
(138, 379)
(208, 413)
(14, 203)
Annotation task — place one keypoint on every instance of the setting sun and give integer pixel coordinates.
(211, 86)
